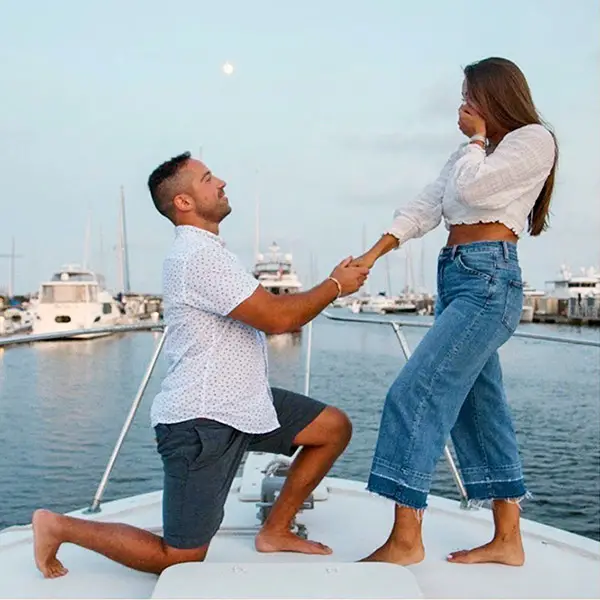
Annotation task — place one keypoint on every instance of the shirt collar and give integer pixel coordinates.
(191, 230)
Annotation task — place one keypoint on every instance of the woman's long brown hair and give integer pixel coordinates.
(500, 91)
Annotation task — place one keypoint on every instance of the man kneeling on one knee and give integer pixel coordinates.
(215, 402)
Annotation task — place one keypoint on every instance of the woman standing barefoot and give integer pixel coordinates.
(491, 189)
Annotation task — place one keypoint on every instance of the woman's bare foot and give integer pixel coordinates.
(397, 553)
(503, 551)
(46, 542)
(286, 541)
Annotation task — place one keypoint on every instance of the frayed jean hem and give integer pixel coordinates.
(497, 490)
(399, 493)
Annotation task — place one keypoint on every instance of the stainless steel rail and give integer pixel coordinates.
(421, 325)
(95, 506)
(464, 499)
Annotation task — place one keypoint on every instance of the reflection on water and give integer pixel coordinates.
(63, 405)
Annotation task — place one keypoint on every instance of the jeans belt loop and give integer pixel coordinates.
(453, 253)
(505, 251)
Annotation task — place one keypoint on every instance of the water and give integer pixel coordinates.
(63, 404)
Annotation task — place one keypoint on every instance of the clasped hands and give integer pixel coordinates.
(352, 273)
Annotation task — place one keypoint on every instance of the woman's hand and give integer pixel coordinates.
(385, 244)
(470, 122)
(365, 260)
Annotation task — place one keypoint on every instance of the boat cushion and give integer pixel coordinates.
(286, 580)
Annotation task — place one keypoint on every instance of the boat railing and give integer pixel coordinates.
(396, 325)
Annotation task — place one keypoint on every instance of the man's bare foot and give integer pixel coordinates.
(397, 553)
(46, 543)
(503, 551)
(286, 541)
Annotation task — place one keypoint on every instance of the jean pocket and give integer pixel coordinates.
(483, 267)
(513, 305)
(213, 443)
(161, 434)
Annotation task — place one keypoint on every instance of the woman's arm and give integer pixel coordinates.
(414, 220)
(383, 245)
(522, 160)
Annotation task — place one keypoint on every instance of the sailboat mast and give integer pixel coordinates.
(101, 258)
(423, 288)
(124, 250)
(86, 244)
(120, 253)
(389, 277)
(364, 248)
(257, 220)
(11, 276)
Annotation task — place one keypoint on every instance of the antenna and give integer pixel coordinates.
(11, 274)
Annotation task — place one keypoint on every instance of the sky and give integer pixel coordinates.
(337, 112)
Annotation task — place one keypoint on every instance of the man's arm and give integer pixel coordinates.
(283, 313)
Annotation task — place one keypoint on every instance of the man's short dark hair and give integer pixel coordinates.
(163, 184)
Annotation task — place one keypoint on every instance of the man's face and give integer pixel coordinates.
(206, 192)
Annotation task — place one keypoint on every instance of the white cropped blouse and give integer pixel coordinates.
(474, 187)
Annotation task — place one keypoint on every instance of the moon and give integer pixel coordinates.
(227, 68)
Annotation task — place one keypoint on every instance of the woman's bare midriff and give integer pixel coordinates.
(480, 232)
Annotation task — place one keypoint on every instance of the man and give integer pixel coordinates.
(215, 402)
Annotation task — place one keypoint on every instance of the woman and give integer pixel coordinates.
(490, 190)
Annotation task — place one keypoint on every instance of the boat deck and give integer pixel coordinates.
(346, 517)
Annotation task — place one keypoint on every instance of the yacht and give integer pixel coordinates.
(383, 304)
(379, 304)
(15, 320)
(569, 285)
(274, 270)
(340, 512)
(74, 298)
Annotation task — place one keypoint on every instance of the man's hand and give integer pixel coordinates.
(470, 122)
(350, 276)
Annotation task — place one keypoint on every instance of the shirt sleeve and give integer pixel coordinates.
(216, 281)
(522, 160)
(424, 212)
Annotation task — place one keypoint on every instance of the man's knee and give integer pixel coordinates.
(175, 556)
(331, 428)
(338, 425)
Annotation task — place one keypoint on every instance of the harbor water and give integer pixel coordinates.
(63, 405)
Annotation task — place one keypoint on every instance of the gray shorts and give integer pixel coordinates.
(201, 458)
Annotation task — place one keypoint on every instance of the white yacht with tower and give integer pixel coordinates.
(274, 270)
(76, 297)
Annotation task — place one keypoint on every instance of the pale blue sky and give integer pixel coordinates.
(346, 108)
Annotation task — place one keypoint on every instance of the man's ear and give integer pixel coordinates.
(183, 203)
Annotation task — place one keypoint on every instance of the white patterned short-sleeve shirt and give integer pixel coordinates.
(217, 366)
